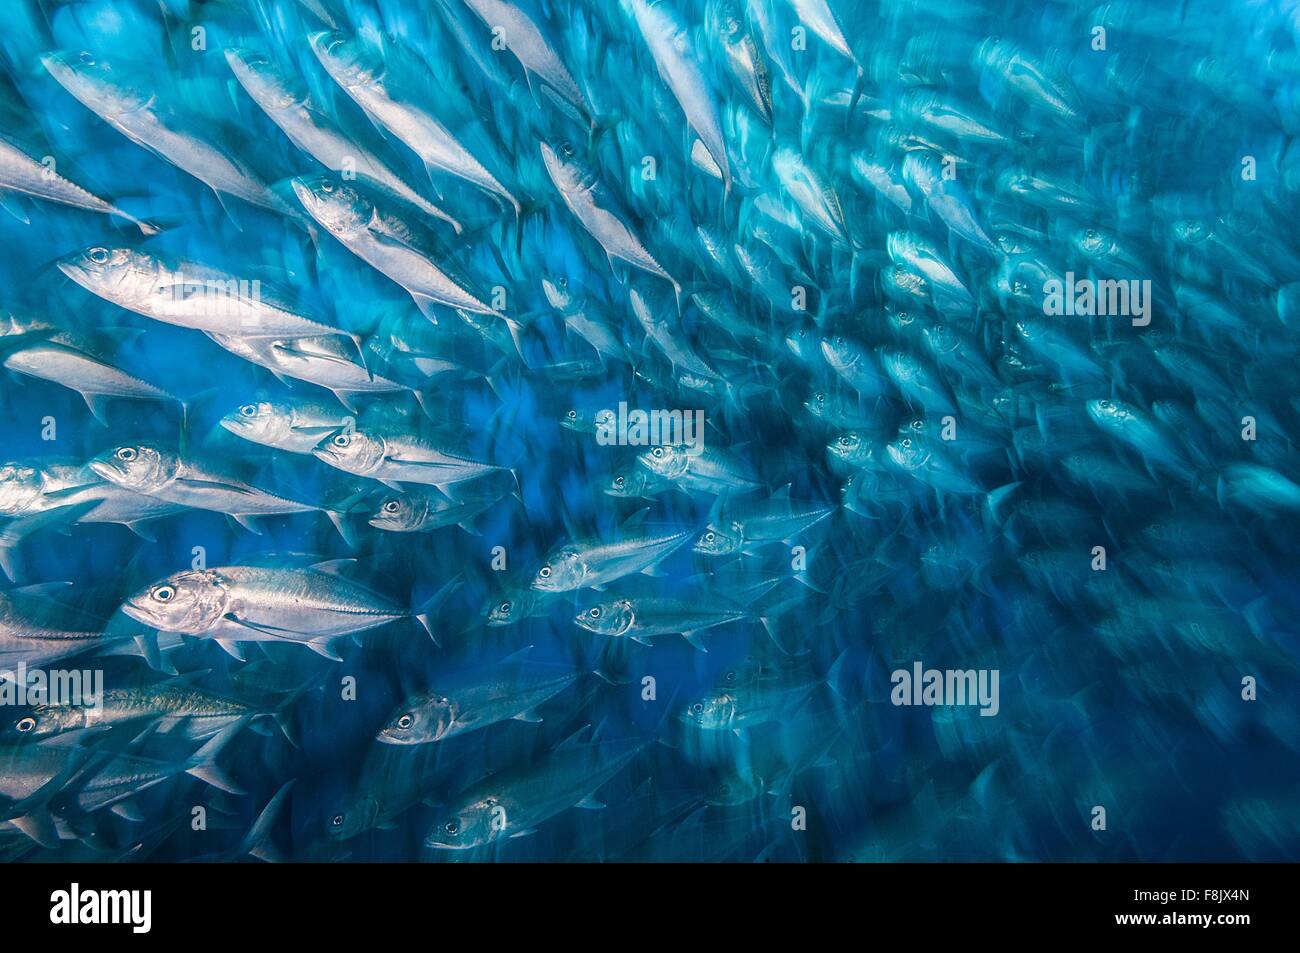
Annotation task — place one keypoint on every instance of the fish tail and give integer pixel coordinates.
(203, 764)
(340, 520)
(258, 842)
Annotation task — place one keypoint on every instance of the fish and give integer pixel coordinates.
(315, 607)
(161, 473)
(94, 379)
(25, 175)
(191, 295)
(293, 425)
(511, 804)
(383, 240)
(362, 74)
(585, 196)
(121, 99)
(396, 455)
(511, 689)
(578, 565)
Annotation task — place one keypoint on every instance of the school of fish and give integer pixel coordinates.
(567, 429)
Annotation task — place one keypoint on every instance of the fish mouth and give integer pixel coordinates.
(233, 423)
(130, 609)
(305, 193)
(105, 469)
(59, 64)
(76, 271)
(835, 356)
(325, 42)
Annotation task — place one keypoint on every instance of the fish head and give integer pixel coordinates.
(908, 452)
(714, 712)
(1109, 413)
(95, 83)
(852, 446)
(608, 618)
(338, 207)
(421, 720)
(477, 823)
(352, 450)
(840, 352)
(718, 541)
(20, 488)
(666, 461)
(901, 365)
(564, 168)
(802, 343)
(349, 61)
(994, 53)
(629, 482)
(1091, 242)
(107, 272)
(403, 514)
(557, 292)
(562, 571)
(577, 420)
(940, 338)
(261, 421)
(357, 817)
(188, 602)
(139, 467)
(510, 608)
(44, 721)
(264, 82)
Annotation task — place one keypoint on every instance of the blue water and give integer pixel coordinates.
(1120, 689)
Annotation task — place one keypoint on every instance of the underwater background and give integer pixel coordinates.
(382, 271)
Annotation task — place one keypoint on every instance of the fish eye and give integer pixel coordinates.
(164, 593)
(657, 451)
(844, 440)
(451, 827)
(126, 454)
(563, 282)
(595, 612)
(904, 317)
(338, 820)
(545, 572)
(697, 708)
(566, 150)
(392, 506)
(505, 607)
(708, 537)
(26, 724)
(87, 58)
(1091, 235)
(572, 415)
(248, 410)
(341, 440)
(619, 481)
(327, 186)
(406, 721)
(730, 676)
(1106, 405)
(907, 443)
(99, 255)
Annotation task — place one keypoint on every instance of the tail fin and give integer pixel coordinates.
(258, 842)
(425, 614)
(203, 763)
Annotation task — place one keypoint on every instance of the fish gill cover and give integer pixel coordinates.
(657, 430)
